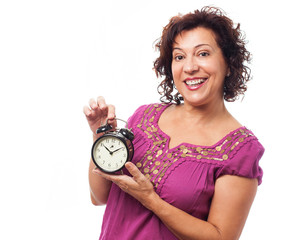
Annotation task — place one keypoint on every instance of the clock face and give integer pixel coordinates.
(110, 153)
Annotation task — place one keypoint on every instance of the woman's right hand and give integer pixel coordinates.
(98, 112)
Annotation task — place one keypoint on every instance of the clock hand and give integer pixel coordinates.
(108, 149)
(116, 150)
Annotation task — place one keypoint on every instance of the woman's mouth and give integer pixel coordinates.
(196, 83)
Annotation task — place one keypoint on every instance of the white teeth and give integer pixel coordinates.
(195, 81)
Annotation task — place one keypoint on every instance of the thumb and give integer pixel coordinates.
(134, 171)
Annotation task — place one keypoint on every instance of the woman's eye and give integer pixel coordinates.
(204, 54)
(178, 58)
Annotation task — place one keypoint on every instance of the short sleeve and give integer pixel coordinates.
(244, 161)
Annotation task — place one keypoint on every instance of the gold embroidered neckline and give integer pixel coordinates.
(160, 108)
(159, 158)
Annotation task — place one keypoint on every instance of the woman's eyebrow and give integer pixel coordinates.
(202, 44)
(197, 46)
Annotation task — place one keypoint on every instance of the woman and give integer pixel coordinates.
(195, 171)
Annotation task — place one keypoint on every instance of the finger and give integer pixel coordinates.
(111, 116)
(105, 175)
(101, 102)
(134, 171)
(87, 111)
(123, 187)
(97, 171)
(93, 104)
(119, 180)
(111, 112)
(102, 106)
(101, 173)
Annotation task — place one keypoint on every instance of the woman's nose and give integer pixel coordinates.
(190, 66)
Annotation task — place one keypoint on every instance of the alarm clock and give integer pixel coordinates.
(113, 149)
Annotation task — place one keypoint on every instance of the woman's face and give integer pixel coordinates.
(198, 67)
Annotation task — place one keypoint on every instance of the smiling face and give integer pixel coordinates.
(198, 67)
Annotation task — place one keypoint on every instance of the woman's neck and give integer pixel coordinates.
(204, 115)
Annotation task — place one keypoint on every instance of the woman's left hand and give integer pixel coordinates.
(137, 186)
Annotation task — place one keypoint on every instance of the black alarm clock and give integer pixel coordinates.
(113, 149)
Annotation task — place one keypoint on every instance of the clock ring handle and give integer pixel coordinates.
(107, 127)
(125, 131)
(126, 123)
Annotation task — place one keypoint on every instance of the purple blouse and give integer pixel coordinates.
(183, 176)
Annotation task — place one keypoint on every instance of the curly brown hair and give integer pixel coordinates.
(228, 37)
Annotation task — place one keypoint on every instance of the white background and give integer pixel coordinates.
(56, 55)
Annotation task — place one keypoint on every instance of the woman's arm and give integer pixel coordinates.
(229, 209)
(99, 187)
(97, 114)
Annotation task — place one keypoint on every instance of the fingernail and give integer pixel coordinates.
(111, 116)
(95, 171)
(129, 165)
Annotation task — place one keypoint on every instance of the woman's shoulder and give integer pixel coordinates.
(147, 112)
(151, 106)
(238, 141)
(241, 154)
(150, 110)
